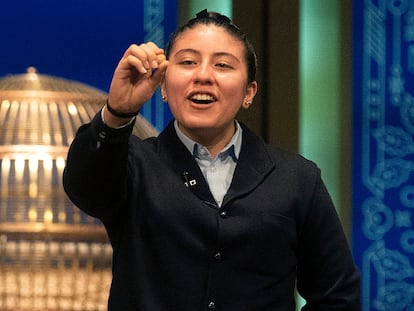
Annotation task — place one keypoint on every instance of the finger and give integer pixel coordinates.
(155, 48)
(152, 50)
(158, 74)
(130, 64)
(147, 54)
(161, 58)
(132, 60)
(140, 52)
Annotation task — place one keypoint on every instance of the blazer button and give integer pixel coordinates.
(211, 305)
(217, 256)
(223, 214)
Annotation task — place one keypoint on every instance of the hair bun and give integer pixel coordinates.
(204, 14)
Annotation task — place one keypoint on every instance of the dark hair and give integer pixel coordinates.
(219, 20)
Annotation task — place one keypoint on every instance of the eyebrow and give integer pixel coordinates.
(217, 54)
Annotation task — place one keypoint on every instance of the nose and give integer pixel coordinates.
(204, 73)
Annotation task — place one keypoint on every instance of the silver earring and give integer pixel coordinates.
(164, 98)
(248, 103)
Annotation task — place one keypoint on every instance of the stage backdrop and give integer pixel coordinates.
(82, 40)
(383, 162)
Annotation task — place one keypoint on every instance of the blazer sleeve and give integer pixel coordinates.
(327, 276)
(94, 177)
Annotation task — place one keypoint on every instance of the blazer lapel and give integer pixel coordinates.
(253, 165)
(173, 152)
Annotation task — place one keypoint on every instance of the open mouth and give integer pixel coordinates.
(202, 98)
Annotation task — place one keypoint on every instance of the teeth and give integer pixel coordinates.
(202, 97)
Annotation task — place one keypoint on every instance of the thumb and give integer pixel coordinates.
(158, 74)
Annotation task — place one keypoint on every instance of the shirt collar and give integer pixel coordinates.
(231, 149)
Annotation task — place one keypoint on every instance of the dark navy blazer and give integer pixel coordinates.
(175, 249)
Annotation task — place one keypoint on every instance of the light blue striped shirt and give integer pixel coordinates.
(218, 172)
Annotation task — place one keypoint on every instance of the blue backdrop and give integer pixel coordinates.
(82, 40)
(383, 162)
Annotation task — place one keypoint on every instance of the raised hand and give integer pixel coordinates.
(136, 78)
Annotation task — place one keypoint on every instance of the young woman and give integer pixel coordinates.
(206, 216)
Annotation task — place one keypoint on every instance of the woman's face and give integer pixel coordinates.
(206, 81)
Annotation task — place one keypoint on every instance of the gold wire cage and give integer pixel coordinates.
(52, 255)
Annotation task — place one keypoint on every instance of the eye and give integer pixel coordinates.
(223, 65)
(187, 62)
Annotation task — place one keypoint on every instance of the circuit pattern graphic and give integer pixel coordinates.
(383, 182)
(157, 30)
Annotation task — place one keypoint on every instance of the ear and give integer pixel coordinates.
(251, 91)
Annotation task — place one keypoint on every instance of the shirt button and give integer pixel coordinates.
(213, 169)
(203, 151)
(217, 256)
(212, 305)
